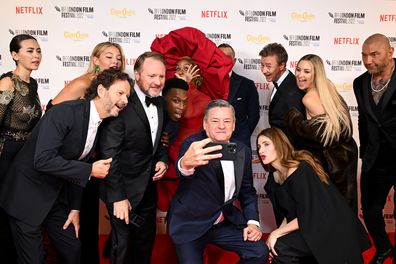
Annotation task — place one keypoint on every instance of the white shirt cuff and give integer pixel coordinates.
(184, 171)
(254, 222)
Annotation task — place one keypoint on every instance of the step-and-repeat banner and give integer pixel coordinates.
(68, 30)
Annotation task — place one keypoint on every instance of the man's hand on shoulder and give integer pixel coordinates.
(197, 155)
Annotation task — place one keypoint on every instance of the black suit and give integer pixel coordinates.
(127, 139)
(45, 182)
(377, 134)
(200, 199)
(243, 96)
(287, 96)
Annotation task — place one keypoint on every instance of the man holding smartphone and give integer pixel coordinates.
(202, 210)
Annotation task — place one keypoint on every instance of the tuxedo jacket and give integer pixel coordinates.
(377, 125)
(243, 96)
(287, 96)
(47, 167)
(199, 198)
(127, 139)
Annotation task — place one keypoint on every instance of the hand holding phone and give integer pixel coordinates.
(228, 150)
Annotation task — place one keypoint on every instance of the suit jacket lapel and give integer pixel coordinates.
(160, 111)
(367, 97)
(239, 171)
(235, 83)
(137, 106)
(85, 120)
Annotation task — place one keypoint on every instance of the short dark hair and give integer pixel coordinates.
(225, 45)
(275, 49)
(176, 83)
(148, 54)
(106, 78)
(218, 103)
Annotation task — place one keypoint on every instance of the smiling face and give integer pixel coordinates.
(266, 150)
(271, 69)
(305, 75)
(109, 58)
(29, 55)
(176, 102)
(115, 98)
(219, 124)
(151, 77)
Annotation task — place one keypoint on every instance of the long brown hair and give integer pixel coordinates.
(288, 157)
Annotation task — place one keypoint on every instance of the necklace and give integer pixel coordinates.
(377, 88)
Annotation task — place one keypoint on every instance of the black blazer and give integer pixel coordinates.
(243, 96)
(200, 197)
(127, 139)
(287, 97)
(47, 166)
(375, 128)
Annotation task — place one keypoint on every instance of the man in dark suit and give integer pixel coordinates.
(203, 209)
(375, 92)
(285, 96)
(243, 96)
(44, 184)
(133, 141)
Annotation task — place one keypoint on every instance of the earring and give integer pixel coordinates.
(97, 69)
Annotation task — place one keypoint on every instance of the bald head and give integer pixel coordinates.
(379, 39)
(377, 55)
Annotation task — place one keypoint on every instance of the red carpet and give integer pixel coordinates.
(164, 253)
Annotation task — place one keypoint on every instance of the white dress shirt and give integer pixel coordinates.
(94, 122)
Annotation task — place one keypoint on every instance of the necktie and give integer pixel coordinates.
(151, 100)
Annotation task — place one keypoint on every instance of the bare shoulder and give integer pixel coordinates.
(313, 104)
(73, 90)
(6, 84)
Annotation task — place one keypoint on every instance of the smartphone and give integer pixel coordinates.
(229, 149)
(135, 219)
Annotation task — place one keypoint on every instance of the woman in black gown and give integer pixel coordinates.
(20, 110)
(318, 226)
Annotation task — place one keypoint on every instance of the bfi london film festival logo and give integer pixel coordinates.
(168, 14)
(392, 41)
(123, 37)
(249, 63)
(43, 83)
(349, 18)
(31, 10)
(302, 40)
(259, 16)
(219, 38)
(345, 65)
(122, 12)
(73, 61)
(40, 34)
(79, 12)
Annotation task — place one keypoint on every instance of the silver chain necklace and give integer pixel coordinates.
(377, 88)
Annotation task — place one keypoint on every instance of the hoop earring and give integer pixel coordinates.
(97, 68)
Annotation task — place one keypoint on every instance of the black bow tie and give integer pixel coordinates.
(276, 85)
(151, 100)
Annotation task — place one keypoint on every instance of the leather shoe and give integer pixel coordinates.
(380, 258)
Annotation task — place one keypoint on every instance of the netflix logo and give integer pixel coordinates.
(34, 10)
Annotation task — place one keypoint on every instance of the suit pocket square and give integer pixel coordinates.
(239, 98)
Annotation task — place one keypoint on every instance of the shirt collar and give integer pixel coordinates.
(282, 78)
(93, 114)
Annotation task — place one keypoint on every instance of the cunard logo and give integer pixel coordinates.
(75, 36)
(258, 15)
(258, 39)
(344, 86)
(344, 65)
(303, 40)
(43, 83)
(122, 13)
(76, 11)
(77, 61)
(122, 36)
(347, 17)
(219, 38)
(250, 64)
(302, 17)
(41, 34)
(168, 13)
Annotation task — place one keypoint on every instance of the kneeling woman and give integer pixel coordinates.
(318, 226)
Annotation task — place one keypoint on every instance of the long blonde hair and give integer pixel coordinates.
(288, 157)
(337, 119)
(98, 50)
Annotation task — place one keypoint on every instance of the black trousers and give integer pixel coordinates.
(28, 238)
(131, 244)
(375, 185)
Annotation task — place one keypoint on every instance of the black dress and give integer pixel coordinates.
(328, 229)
